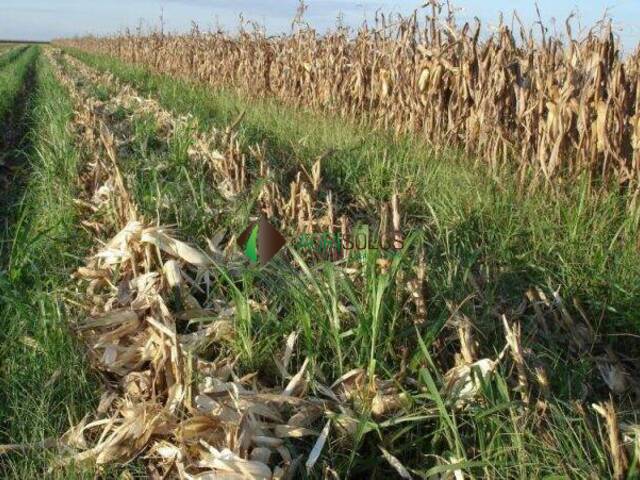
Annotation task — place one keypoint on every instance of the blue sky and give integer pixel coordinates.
(46, 19)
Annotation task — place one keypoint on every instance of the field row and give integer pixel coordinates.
(452, 356)
(43, 380)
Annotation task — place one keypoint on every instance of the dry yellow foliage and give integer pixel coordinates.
(555, 107)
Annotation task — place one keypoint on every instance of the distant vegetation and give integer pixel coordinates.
(27, 42)
(557, 107)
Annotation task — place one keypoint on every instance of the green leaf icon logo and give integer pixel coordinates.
(251, 248)
(260, 241)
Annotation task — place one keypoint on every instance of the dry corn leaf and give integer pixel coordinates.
(175, 248)
(396, 464)
(316, 451)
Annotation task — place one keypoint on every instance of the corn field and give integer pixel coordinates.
(475, 333)
(560, 107)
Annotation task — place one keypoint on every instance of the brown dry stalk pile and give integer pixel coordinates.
(176, 398)
(190, 417)
(551, 106)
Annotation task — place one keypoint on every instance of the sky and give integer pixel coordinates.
(47, 19)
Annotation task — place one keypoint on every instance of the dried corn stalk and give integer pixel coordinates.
(555, 108)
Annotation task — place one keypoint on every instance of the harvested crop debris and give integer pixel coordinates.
(162, 336)
(182, 411)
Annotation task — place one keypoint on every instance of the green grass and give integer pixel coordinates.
(44, 384)
(14, 68)
(9, 55)
(467, 221)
